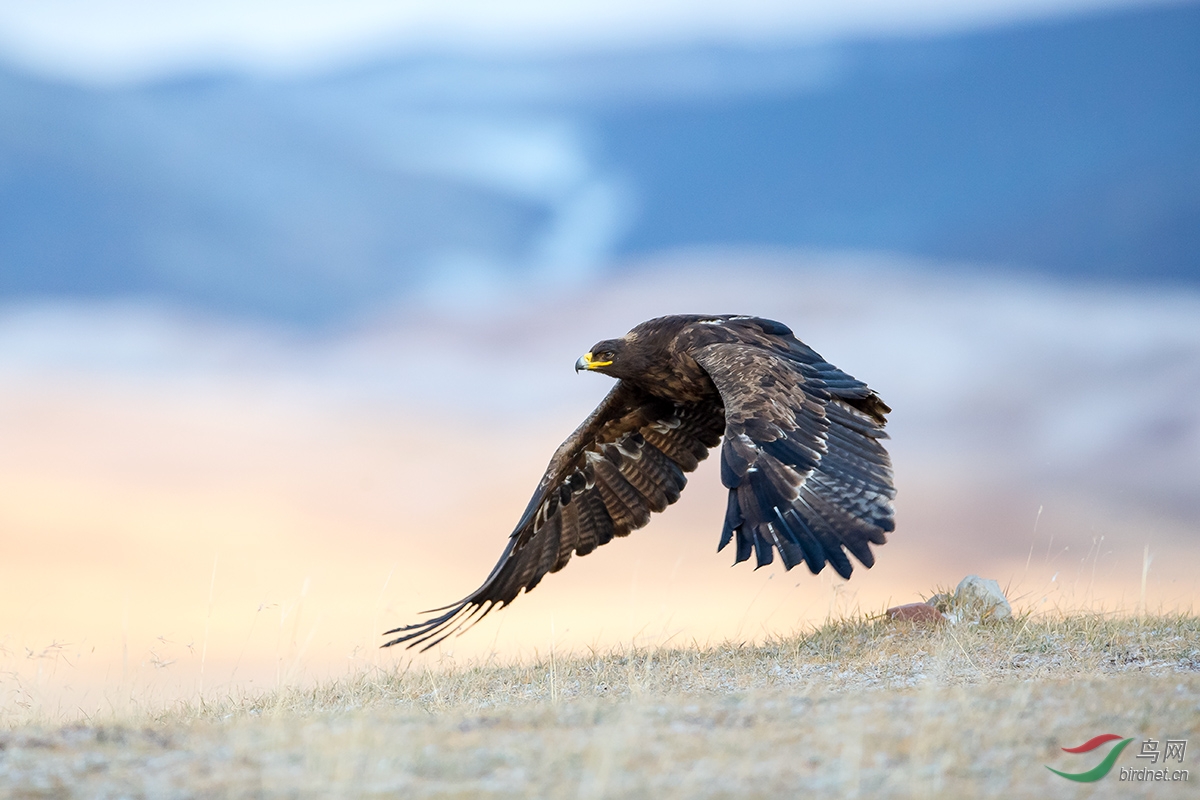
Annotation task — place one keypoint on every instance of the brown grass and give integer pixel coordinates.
(860, 707)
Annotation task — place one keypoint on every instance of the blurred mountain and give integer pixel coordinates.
(1070, 147)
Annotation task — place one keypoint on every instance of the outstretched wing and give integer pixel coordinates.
(802, 457)
(626, 460)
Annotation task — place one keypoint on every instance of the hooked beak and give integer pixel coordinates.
(586, 362)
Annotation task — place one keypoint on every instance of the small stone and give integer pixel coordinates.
(920, 613)
(981, 598)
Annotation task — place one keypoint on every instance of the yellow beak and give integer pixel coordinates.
(587, 362)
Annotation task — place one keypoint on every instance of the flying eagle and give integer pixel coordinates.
(802, 459)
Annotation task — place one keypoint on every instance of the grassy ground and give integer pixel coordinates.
(863, 708)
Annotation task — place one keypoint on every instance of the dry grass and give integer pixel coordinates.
(857, 708)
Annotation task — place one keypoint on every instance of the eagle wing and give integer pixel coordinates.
(626, 460)
(802, 457)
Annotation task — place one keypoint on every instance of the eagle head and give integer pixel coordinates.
(604, 357)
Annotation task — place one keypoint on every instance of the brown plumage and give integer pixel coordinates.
(802, 459)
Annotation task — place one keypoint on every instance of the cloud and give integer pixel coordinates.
(123, 40)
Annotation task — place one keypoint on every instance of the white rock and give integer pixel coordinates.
(981, 598)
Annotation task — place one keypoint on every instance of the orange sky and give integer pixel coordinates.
(222, 521)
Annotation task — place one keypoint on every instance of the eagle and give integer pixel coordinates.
(807, 474)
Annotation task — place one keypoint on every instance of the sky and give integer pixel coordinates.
(128, 40)
(200, 504)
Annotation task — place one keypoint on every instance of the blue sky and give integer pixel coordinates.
(123, 40)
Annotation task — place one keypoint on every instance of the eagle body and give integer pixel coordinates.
(802, 459)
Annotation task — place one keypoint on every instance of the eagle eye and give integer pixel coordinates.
(607, 355)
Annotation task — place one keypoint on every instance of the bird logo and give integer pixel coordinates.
(1100, 770)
